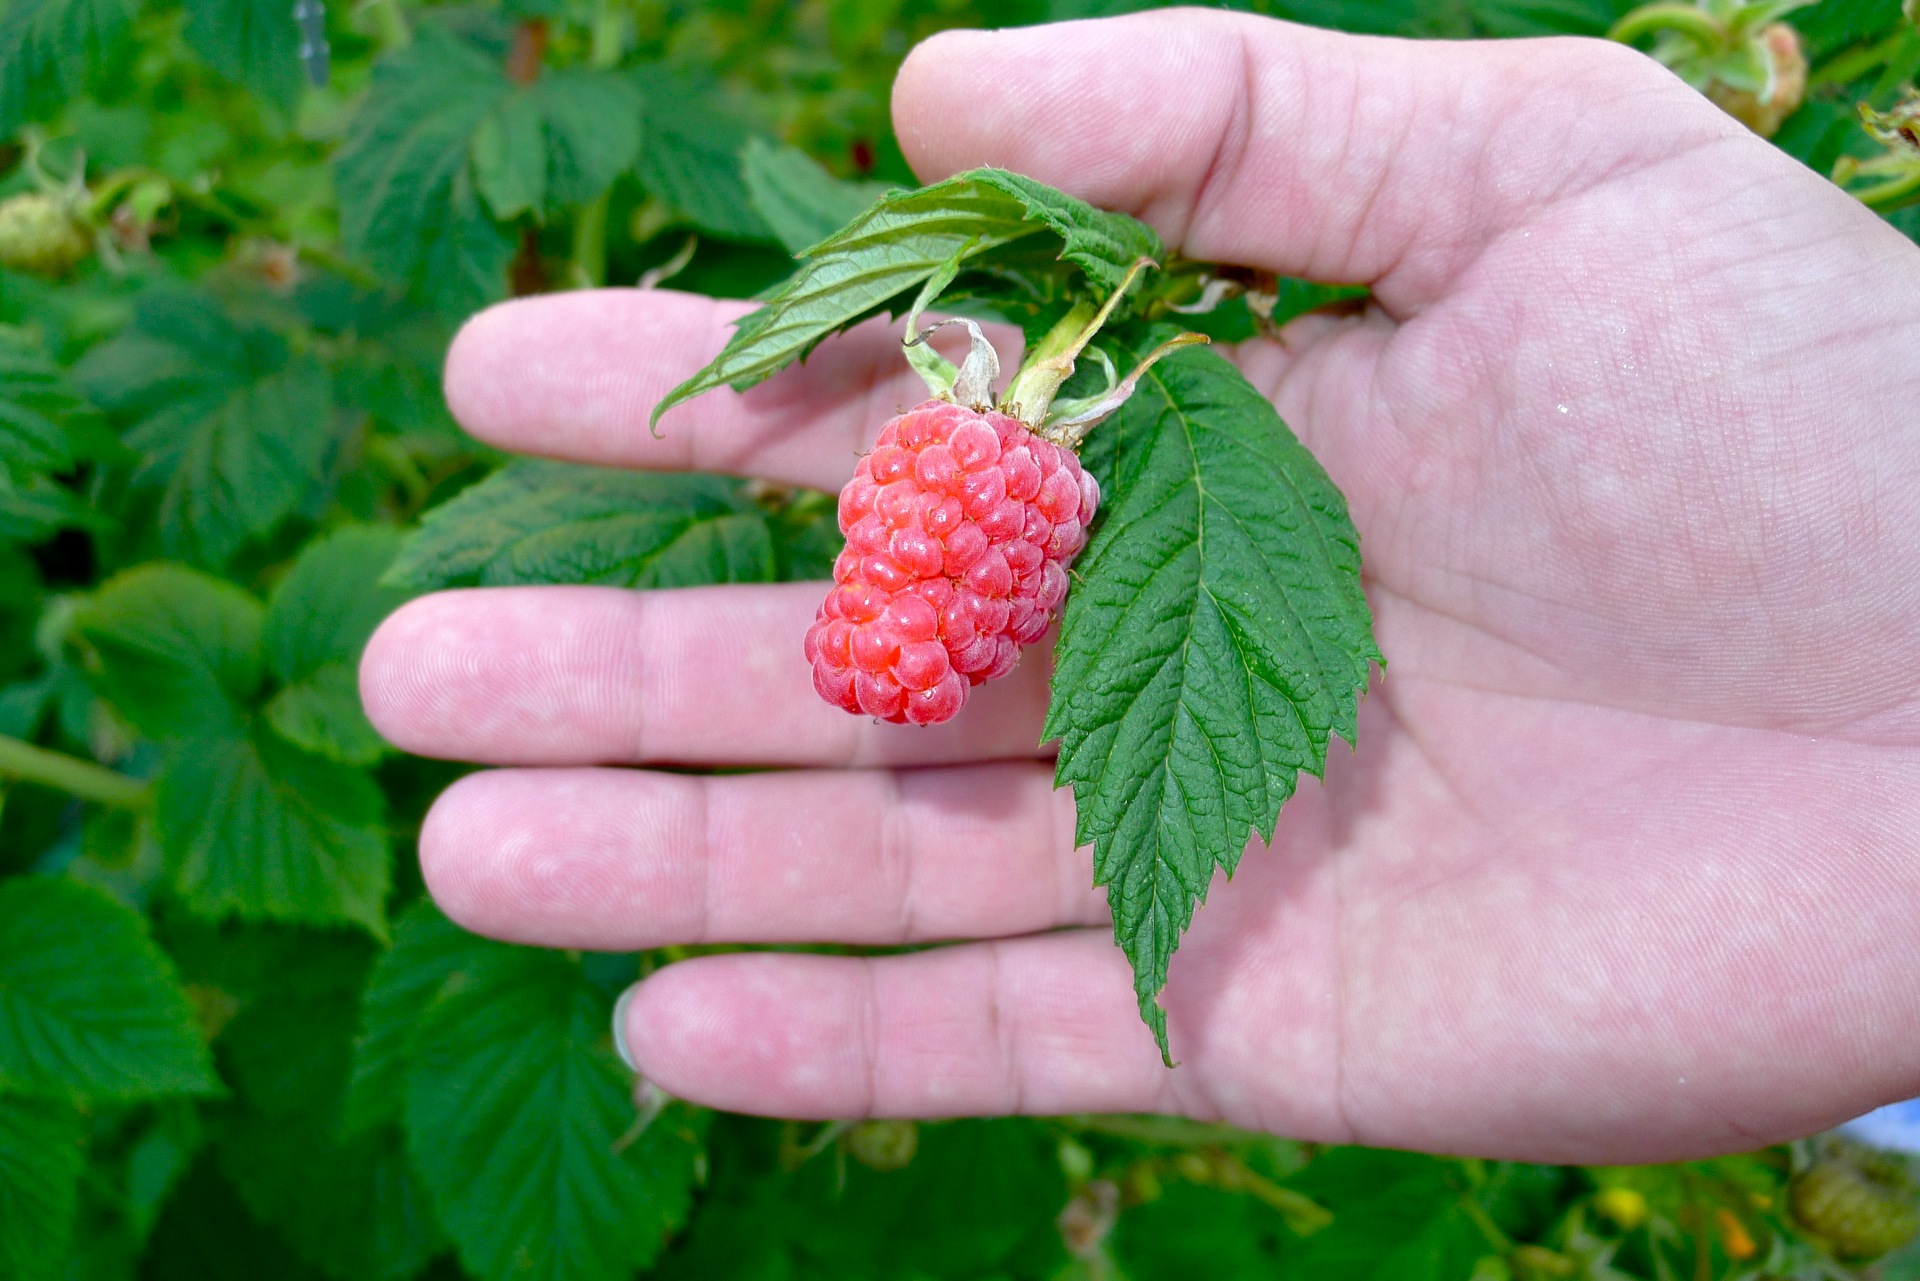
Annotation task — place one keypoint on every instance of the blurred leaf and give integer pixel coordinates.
(510, 158)
(1398, 1216)
(177, 652)
(691, 156)
(350, 1207)
(546, 522)
(236, 429)
(427, 951)
(515, 1113)
(899, 243)
(251, 42)
(407, 199)
(206, 1234)
(256, 828)
(41, 1158)
(33, 511)
(35, 406)
(1191, 1230)
(318, 621)
(89, 1007)
(1546, 17)
(49, 49)
(798, 199)
(593, 131)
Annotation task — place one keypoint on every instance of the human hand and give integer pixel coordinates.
(1624, 865)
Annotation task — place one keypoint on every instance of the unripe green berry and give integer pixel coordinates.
(1859, 1211)
(39, 234)
(884, 1145)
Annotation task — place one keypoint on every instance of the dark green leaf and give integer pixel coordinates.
(89, 1007)
(1398, 1216)
(407, 199)
(318, 620)
(1545, 17)
(251, 42)
(510, 158)
(798, 199)
(593, 131)
(50, 48)
(548, 522)
(350, 1207)
(516, 1114)
(37, 508)
(256, 828)
(206, 1234)
(1216, 638)
(896, 245)
(41, 1158)
(427, 951)
(176, 651)
(236, 430)
(691, 157)
(35, 406)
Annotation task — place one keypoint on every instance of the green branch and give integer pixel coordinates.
(22, 760)
(1684, 19)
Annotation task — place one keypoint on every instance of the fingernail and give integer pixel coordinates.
(620, 1028)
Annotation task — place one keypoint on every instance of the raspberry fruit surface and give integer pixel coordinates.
(960, 526)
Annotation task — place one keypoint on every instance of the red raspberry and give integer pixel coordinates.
(960, 526)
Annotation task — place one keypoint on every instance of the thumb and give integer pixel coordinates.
(1306, 152)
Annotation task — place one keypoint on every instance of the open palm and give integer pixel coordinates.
(1625, 865)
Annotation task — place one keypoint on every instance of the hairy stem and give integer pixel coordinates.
(1683, 18)
(30, 764)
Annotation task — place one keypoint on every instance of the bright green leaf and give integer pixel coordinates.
(797, 197)
(1216, 638)
(236, 429)
(256, 828)
(49, 49)
(318, 620)
(549, 522)
(89, 1007)
(895, 246)
(515, 1116)
(41, 1159)
(176, 651)
(407, 199)
(251, 42)
(428, 950)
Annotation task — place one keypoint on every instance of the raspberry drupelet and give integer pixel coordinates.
(960, 527)
(962, 522)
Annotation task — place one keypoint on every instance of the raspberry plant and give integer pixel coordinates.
(235, 1041)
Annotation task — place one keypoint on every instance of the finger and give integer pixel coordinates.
(576, 376)
(1036, 1025)
(601, 675)
(616, 860)
(1308, 152)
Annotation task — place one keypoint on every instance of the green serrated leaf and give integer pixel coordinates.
(35, 407)
(1216, 638)
(546, 522)
(254, 827)
(428, 950)
(798, 199)
(50, 48)
(176, 651)
(318, 620)
(89, 1007)
(510, 158)
(251, 42)
(593, 131)
(896, 245)
(408, 204)
(40, 507)
(517, 1116)
(41, 1159)
(691, 159)
(235, 428)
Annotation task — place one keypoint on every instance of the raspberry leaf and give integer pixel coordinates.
(798, 199)
(90, 1009)
(691, 160)
(428, 950)
(1216, 638)
(883, 257)
(42, 1155)
(49, 49)
(520, 1121)
(256, 828)
(546, 522)
(251, 42)
(317, 622)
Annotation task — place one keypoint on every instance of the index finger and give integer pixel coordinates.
(576, 375)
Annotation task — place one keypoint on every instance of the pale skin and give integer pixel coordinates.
(1626, 864)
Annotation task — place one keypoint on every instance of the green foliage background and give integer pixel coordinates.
(235, 1041)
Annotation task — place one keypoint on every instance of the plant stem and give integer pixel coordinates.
(609, 36)
(1650, 19)
(30, 764)
(1853, 63)
(1892, 195)
(587, 263)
